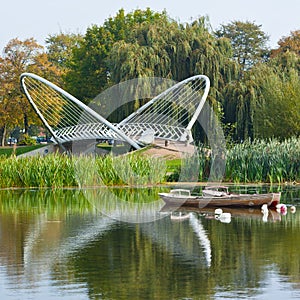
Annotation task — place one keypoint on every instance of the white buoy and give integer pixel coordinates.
(293, 209)
(281, 208)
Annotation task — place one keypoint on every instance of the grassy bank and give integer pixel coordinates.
(9, 150)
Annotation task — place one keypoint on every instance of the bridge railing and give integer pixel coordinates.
(131, 130)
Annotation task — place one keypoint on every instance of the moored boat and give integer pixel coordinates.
(219, 196)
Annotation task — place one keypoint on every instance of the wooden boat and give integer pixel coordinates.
(220, 197)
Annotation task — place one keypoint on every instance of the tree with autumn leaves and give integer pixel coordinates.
(19, 57)
(254, 90)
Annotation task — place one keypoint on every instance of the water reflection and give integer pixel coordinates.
(202, 236)
(60, 244)
(127, 205)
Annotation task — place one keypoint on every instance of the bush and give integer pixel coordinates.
(26, 140)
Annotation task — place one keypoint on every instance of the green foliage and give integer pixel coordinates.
(60, 47)
(264, 161)
(248, 42)
(259, 161)
(131, 170)
(26, 140)
(276, 109)
(53, 202)
(89, 70)
(8, 151)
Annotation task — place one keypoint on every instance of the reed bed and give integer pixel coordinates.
(269, 161)
(56, 170)
(258, 161)
(264, 161)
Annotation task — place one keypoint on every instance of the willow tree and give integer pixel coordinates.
(168, 49)
(240, 98)
(213, 57)
(142, 51)
(249, 48)
(148, 44)
(277, 109)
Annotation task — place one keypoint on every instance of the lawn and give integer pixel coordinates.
(7, 151)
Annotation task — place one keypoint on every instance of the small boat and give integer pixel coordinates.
(219, 196)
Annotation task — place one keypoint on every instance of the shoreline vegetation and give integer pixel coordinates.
(259, 161)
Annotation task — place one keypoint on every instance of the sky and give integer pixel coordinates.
(39, 19)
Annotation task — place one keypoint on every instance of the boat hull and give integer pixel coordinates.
(242, 200)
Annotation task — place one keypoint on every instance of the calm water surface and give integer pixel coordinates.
(72, 244)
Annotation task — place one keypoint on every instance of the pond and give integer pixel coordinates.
(105, 244)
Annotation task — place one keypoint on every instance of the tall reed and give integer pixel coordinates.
(269, 161)
(131, 170)
(56, 170)
(264, 161)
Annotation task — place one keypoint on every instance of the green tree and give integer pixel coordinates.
(60, 47)
(239, 98)
(248, 42)
(149, 44)
(89, 71)
(166, 48)
(240, 93)
(277, 111)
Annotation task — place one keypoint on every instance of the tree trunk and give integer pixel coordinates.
(25, 123)
(3, 135)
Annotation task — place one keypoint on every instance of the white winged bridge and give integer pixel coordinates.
(168, 116)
